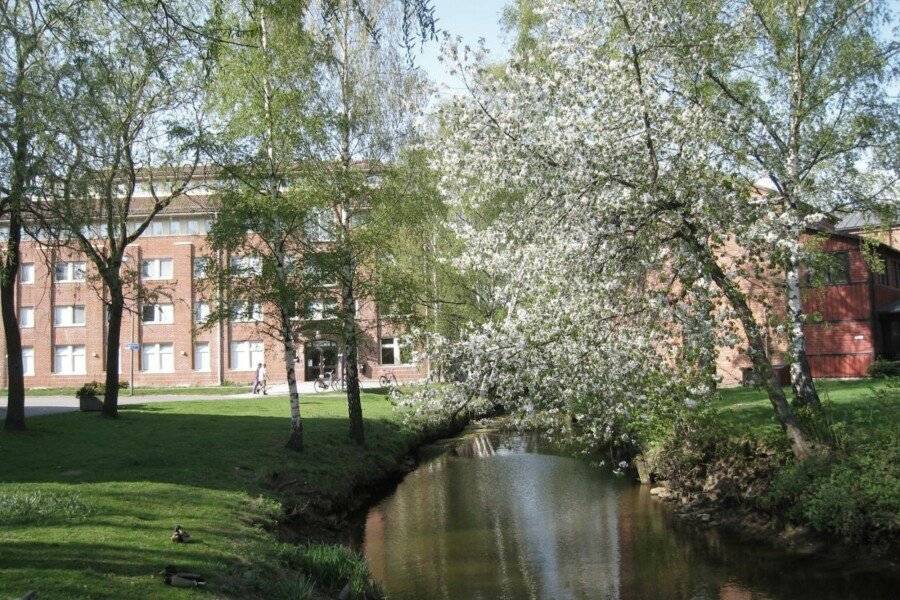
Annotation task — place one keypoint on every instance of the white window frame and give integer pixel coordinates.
(74, 357)
(64, 315)
(75, 271)
(253, 352)
(152, 268)
(321, 309)
(397, 348)
(26, 317)
(202, 349)
(153, 357)
(245, 266)
(201, 312)
(199, 266)
(163, 313)
(26, 273)
(244, 311)
(28, 360)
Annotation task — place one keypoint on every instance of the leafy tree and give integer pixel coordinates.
(804, 94)
(32, 68)
(131, 120)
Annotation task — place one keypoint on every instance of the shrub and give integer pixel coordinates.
(854, 496)
(96, 388)
(884, 368)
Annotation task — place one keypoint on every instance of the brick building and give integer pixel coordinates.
(63, 324)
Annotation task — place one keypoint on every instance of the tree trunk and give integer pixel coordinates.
(800, 443)
(351, 358)
(295, 441)
(805, 394)
(113, 336)
(15, 404)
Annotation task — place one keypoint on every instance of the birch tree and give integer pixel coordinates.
(262, 90)
(805, 92)
(370, 98)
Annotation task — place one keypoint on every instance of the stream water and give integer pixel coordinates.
(493, 517)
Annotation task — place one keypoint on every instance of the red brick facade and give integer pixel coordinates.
(184, 363)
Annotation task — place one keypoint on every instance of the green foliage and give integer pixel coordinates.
(39, 506)
(855, 496)
(884, 368)
(331, 566)
(96, 389)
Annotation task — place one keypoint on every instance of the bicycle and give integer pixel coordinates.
(388, 380)
(324, 382)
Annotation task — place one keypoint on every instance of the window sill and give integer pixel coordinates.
(68, 325)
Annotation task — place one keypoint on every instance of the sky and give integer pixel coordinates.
(472, 20)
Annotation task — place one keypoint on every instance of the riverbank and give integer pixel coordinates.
(731, 469)
(88, 505)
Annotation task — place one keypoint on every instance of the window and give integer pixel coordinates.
(319, 225)
(157, 313)
(175, 227)
(201, 312)
(68, 360)
(201, 266)
(27, 360)
(159, 227)
(157, 358)
(65, 272)
(68, 316)
(246, 355)
(245, 266)
(26, 273)
(835, 270)
(323, 308)
(26, 316)
(156, 268)
(201, 356)
(246, 312)
(197, 226)
(395, 353)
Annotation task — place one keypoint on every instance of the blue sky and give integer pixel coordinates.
(470, 19)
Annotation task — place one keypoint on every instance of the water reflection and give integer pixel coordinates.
(499, 518)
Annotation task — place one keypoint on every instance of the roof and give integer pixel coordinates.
(861, 220)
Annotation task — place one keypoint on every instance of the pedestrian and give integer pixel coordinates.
(263, 377)
(256, 380)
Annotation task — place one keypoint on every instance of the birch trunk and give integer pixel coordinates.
(295, 441)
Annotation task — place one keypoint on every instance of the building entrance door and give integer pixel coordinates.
(320, 357)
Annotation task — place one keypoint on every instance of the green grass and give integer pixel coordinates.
(87, 504)
(212, 390)
(852, 402)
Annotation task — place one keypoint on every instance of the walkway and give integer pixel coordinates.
(48, 405)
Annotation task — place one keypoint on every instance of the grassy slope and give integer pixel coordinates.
(198, 464)
(853, 402)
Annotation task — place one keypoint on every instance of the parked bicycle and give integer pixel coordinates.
(388, 380)
(329, 380)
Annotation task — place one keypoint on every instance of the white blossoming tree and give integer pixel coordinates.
(630, 210)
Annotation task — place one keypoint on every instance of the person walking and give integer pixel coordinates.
(256, 379)
(263, 378)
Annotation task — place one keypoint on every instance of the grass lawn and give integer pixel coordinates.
(146, 391)
(87, 504)
(854, 402)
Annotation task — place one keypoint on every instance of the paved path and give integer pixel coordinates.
(48, 405)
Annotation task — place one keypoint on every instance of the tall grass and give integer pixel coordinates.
(18, 508)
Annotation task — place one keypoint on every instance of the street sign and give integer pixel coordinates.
(133, 346)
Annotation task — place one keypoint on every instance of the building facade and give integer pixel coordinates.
(63, 322)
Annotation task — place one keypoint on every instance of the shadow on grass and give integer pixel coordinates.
(215, 451)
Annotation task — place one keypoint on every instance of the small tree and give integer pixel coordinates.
(131, 119)
(370, 98)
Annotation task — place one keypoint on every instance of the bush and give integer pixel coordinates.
(854, 496)
(884, 368)
(96, 389)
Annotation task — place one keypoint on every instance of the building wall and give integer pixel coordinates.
(182, 291)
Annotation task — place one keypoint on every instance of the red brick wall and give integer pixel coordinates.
(182, 292)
